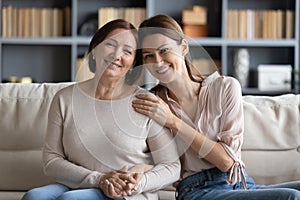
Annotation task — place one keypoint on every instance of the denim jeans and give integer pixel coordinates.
(61, 192)
(211, 185)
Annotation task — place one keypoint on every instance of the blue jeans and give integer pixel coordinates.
(61, 192)
(211, 185)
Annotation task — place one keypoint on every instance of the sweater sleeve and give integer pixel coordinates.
(55, 161)
(166, 168)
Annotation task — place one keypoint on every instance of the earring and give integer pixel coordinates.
(93, 57)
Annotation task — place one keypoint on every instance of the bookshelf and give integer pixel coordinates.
(53, 59)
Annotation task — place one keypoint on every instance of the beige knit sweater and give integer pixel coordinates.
(87, 138)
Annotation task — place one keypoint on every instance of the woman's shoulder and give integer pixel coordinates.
(221, 84)
(65, 93)
(224, 81)
(230, 81)
(66, 90)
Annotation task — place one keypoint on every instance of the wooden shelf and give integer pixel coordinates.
(67, 49)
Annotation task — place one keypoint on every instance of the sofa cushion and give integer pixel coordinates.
(23, 111)
(271, 123)
(272, 138)
(270, 167)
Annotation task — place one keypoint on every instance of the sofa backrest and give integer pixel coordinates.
(23, 111)
(271, 149)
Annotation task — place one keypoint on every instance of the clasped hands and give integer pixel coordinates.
(121, 183)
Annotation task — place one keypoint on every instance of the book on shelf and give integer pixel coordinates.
(196, 15)
(20, 24)
(4, 22)
(67, 21)
(14, 22)
(57, 22)
(35, 22)
(194, 21)
(134, 15)
(8, 20)
(27, 22)
(290, 21)
(256, 24)
(46, 22)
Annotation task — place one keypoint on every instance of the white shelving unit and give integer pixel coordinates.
(54, 59)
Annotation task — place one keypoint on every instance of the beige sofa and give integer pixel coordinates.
(270, 151)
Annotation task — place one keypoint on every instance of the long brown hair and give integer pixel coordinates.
(166, 25)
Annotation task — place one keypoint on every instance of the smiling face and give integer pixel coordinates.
(116, 54)
(163, 57)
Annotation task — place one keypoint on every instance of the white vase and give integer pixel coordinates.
(241, 66)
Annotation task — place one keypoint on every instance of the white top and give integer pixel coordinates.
(87, 138)
(219, 117)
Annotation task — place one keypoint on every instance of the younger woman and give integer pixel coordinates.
(205, 115)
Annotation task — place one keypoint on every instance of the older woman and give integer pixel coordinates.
(94, 134)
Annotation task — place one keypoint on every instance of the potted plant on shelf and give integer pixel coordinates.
(297, 73)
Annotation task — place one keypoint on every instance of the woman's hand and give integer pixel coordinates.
(138, 171)
(154, 107)
(109, 190)
(118, 184)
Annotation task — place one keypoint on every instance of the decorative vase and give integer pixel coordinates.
(241, 66)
